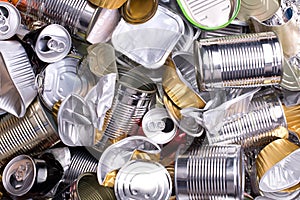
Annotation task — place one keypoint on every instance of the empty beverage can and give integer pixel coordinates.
(10, 20)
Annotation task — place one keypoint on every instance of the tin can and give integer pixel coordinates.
(27, 176)
(87, 187)
(210, 172)
(53, 43)
(10, 20)
(131, 179)
(31, 134)
(158, 126)
(248, 60)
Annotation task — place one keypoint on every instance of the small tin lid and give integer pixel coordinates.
(138, 11)
(54, 81)
(210, 14)
(53, 43)
(19, 175)
(158, 126)
(140, 179)
(10, 20)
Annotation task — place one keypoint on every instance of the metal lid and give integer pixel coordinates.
(54, 81)
(19, 175)
(158, 126)
(140, 179)
(53, 43)
(10, 20)
(138, 11)
(203, 13)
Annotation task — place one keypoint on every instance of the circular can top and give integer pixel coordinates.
(19, 175)
(158, 126)
(53, 43)
(10, 20)
(140, 179)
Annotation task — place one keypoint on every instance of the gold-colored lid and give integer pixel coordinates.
(138, 11)
(109, 4)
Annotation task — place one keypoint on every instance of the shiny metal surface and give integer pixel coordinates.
(248, 60)
(17, 78)
(10, 20)
(139, 179)
(118, 154)
(264, 121)
(108, 4)
(158, 126)
(162, 31)
(203, 13)
(31, 134)
(86, 187)
(231, 29)
(291, 73)
(53, 43)
(292, 115)
(210, 172)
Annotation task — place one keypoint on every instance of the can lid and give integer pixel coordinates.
(19, 175)
(53, 43)
(158, 126)
(10, 20)
(140, 179)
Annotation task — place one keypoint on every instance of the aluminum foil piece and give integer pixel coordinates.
(10, 19)
(54, 81)
(203, 13)
(17, 78)
(53, 43)
(139, 179)
(118, 154)
(163, 32)
(285, 24)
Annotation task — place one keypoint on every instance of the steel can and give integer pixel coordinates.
(10, 20)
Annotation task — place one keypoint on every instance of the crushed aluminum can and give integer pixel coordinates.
(10, 20)
(158, 126)
(210, 171)
(25, 176)
(17, 78)
(139, 179)
(248, 60)
(53, 43)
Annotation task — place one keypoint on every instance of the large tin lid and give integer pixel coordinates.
(10, 20)
(140, 179)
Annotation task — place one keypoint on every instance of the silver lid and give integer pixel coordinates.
(53, 43)
(19, 175)
(140, 179)
(162, 32)
(10, 20)
(158, 126)
(54, 81)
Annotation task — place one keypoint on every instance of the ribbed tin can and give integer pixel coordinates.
(81, 162)
(133, 95)
(263, 123)
(247, 60)
(76, 15)
(31, 134)
(210, 172)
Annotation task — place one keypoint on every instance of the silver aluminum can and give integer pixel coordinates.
(86, 187)
(263, 123)
(31, 134)
(25, 176)
(247, 60)
(210, 172)
(140, 179)
(81, 162)
(10, 20)
(53, 43)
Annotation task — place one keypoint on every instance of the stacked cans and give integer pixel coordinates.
(149, 99)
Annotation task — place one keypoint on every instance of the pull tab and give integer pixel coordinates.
(56, 45)
(4, 25)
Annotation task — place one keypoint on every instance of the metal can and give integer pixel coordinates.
(27, 176)
(247, 60)
(209, 172)
(53, 43)
(131, 179)
(10, 20)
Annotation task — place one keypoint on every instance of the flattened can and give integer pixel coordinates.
(53, 43)
(10, 20)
